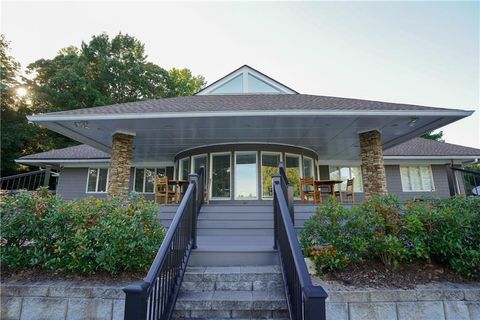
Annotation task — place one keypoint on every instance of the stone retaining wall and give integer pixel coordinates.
(420, 304)
(61, 301)
(72, 301)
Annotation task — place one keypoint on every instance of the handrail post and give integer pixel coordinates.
(193, 178)
(314, 303)
(291, 207)
(46, 179)
(135, 301)
(276, 179)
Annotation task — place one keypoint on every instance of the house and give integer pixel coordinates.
(240, 127)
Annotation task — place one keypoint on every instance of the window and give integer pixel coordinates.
(416, 178)
(220, 175)
(246, 175)
(256, 85)
(233, 86)
(293, 171)
(97, 180)
(184, 169)
(270, 161)
(345, 173)
(308, 171)
(144, 179)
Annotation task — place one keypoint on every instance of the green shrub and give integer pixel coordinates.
(447, 231)
(80, 236)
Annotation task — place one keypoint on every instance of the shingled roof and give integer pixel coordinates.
(427, 147)
(414, 147)
(245, 102)
(80, 152)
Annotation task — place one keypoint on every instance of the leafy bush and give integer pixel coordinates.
(447, 231)
(81, 236)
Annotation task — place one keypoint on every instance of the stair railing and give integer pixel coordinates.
(289, 190)
(156, 295)
(305, 301)
(465, 182)
(26, 181)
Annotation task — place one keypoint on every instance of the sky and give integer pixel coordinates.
(425, 53)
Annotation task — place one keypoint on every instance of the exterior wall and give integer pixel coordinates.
(394, 183)
(72, 184)
(440, 182)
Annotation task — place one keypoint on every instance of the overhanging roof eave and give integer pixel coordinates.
(320, 113)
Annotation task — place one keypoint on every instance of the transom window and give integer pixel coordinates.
(416, 178)
(97, 180)
(345, 173)
(144, 179)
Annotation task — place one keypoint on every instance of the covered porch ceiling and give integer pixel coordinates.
(333, 135)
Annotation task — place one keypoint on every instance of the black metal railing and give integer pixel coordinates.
(155, 296)
(305, 301)
(28, 181)
(289, 190)
(466, 182)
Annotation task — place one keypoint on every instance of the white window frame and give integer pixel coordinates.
(338, 167)
(210, 175)
(180, 167)
(145, 178)
(256, 173)
(300, 163)
(192, 161)
(408, 166)
(98, 178)
(261, 164)
(313, 166)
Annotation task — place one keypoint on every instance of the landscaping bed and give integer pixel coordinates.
(406, 276)
(385, 243)
(43, 235)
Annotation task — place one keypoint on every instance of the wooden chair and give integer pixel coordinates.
(308, 190)
(348, 195)
(164, 193)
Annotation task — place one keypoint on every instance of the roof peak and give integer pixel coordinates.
(246, 80)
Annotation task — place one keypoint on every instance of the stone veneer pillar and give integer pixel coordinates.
(373, 170)
(120, 164)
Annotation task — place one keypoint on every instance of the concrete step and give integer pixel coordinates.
(239, 292)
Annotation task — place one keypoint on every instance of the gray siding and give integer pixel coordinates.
(440, 181)
(72, 184)
(394, 183)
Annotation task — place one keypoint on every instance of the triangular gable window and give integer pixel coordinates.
(256, 85)
(233, 86)
(246, 80)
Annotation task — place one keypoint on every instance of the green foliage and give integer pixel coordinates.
(437, 136)
(81, 236)
(100, 72)
(446, 231)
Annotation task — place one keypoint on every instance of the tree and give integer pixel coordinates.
(181, 82)
(437, 136)
(15, 131)
(100, 72)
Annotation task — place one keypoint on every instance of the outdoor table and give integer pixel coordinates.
(178, 186)
(328, 183)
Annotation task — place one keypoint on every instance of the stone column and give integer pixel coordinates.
(373, 170)
(120, 164)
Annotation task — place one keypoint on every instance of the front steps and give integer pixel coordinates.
(238, 292)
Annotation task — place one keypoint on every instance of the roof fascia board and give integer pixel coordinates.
(431, 157)
(321, 113)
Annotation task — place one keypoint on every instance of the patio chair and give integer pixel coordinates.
(164, 192)
(348, 195)
(308, 190)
